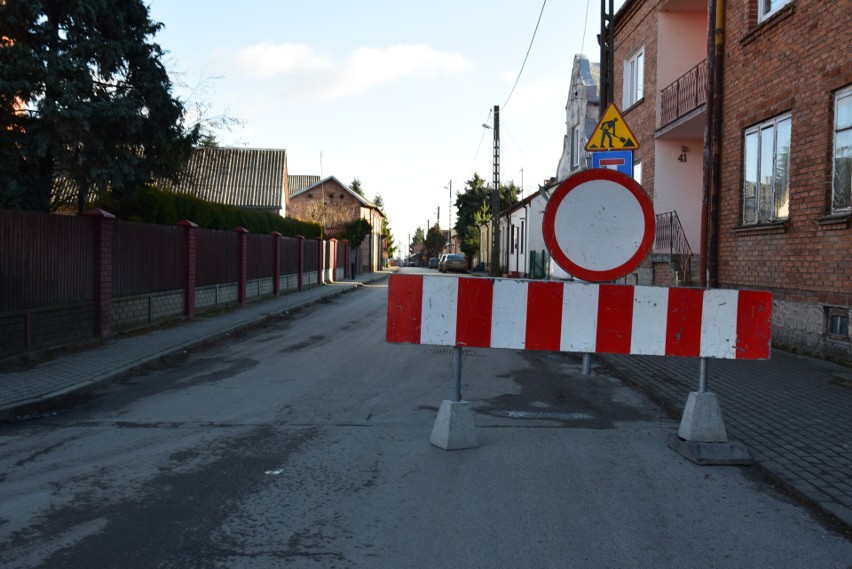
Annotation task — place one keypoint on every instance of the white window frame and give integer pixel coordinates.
(765, 8)
(634, 78)
(843, 97)
(575, 147)
(776, 211)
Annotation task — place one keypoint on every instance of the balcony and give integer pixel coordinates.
(687, 93)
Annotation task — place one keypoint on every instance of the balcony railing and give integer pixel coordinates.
(670, 239)
(684, 95)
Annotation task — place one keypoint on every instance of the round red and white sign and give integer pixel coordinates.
(599, 225)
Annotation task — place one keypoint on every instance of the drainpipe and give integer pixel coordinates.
(709, 265)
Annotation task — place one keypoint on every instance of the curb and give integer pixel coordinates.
(23, 406)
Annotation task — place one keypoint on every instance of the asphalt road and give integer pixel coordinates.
(305, 443)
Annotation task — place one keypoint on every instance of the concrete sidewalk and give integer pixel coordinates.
(794, 413)
(79, 370)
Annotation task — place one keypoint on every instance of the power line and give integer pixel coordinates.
(585, 24)
(485, 124)
(527, 55)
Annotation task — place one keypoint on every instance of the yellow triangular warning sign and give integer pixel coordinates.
(612, 133)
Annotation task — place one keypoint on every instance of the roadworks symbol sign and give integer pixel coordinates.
(612, 133)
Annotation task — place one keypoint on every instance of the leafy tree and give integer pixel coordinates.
(435, 242)
(387, 235)
(418, 238)
(94, 102)
(355, 186)
(356, 231)
(473, 207)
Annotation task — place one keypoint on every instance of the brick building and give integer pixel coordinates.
(777, 213)
(333, 204)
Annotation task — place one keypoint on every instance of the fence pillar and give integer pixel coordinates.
(332, 255)
(190, 233)
(242, 251)
(276, 264)
(320, 260)
(301, 262)
(103, 270)
(346, 274)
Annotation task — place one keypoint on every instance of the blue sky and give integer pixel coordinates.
(393, 93)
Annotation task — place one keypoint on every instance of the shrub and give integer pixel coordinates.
(153, 205)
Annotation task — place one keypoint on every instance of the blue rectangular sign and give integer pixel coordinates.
(620, 160)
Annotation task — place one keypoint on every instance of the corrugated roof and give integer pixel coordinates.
(299, 182)
(244, 177)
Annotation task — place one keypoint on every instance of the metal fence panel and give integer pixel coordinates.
(289, 256)
(311, 255)
(146, 258)
(260, 253)
(217, 257)
(44, 259)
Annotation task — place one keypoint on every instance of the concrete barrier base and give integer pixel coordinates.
(711, 454)
(702, 419)
(454, 428)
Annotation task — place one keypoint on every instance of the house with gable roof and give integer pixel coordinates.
(582, 111)
(333, 204)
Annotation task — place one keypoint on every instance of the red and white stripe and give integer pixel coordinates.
(579, 317)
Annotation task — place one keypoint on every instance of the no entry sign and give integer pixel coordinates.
(599, 225)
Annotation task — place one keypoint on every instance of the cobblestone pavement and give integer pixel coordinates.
(794, 413)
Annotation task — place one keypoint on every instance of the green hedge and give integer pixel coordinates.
(153, 205)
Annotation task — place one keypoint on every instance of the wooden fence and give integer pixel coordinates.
(67, 280)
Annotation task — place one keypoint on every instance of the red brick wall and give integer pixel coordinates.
(342, 206)
(637, 27)
(792, 62)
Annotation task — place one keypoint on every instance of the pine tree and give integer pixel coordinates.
(97, 101)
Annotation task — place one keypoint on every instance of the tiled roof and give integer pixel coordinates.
(244, 177)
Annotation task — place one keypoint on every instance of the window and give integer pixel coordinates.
(766, 175)
(766, 8)
(838, 323)
(576, 146)
(634, 72)
(841, 199)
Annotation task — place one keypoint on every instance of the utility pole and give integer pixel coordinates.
(605, 40)
(450, 222)
(495, 199)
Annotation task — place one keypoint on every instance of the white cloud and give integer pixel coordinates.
(265, 60)
(317, 75)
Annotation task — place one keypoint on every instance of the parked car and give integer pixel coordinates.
(433, 263)
(455, 262)
(441, 263)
